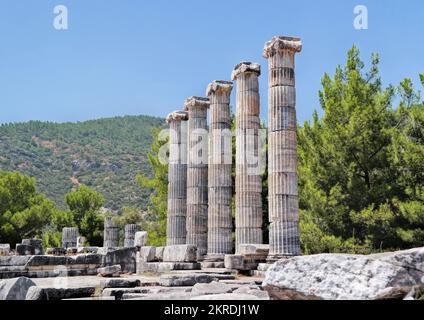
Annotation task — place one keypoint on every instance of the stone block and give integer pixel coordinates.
(211, 288)
(228, 296)
(159, 253)
(15, 289)
(345, 276)
(170, 280)
(234, 262)
(56, 251)
(253, 249)
(120, 283)
(24, 249)
(4, 249)
(110, 271)
(147, 254)
(54, 294)
(125, 257)
(162, 267)
(88, 249)
(180, 253)
(37, 244)
(71, 251)
(140, 238)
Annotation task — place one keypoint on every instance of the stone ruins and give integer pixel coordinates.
(202, 260)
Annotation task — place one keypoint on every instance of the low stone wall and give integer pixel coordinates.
(43, 266)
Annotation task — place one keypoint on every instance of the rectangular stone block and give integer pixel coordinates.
(24, 249)
(147, 254)
(4, 249)
(234, 262)
(180, 253)
(253, 249)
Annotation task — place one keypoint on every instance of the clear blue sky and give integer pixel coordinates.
(145, 57)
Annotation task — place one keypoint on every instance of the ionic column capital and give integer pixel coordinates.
(177, 116)
(219, 87)
(196, 102)
(244, 67)
(281, 43)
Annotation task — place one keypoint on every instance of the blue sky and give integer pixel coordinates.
(145, 57)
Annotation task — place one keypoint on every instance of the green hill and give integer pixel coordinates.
(104, 154)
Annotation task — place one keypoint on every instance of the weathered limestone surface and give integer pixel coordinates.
(254, 249)
(164, 267)
(253, 290)
(110, 234)
(219, 174)
(344, 276)
(24, 249)
(159, 254)
(69, 237)
(197, 174)
(147, 254)
(15, 289)
(130, 230)
(228, 296)
(180, 253)
(177, 178)
(36, 244)
(170, 280)
(234, 262)
(248, 166)
(56, 251)
(125, 257)
(140, 239)
(37, 293)
(4, 249)
(109, 271)
(120, 283)
(282, 157)
(214, 287)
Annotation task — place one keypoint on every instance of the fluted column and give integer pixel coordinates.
(248, 169)
(130, 230)
(282, 165)
(197, 174)
(110, 234)
(69, 237)
(219, 175)
(177, 178)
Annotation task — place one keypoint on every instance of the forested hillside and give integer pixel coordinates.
(103, 154)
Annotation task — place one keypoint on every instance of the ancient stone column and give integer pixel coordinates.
(110, 234)
(177, 178)
(69, 237)
(130, 230)
(282, 155)
(197, 174)
(219, 175)
(248, 169)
